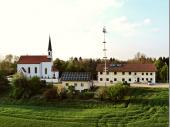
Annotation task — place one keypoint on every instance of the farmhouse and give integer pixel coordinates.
(39, 65)
(80, 80)
(132, 73)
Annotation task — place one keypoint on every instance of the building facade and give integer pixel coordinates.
(80, 80)
(131, 73)
(39, 65)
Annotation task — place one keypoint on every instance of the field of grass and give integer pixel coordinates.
(145, 107)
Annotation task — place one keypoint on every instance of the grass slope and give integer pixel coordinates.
(146, 108)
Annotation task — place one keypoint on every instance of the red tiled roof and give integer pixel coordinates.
(33, 59)
(128, 68)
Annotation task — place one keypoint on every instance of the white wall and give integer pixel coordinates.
(78, 87)
(40, 71)
(47, 65)
(51, 80)
(133, 77)
(32, 69)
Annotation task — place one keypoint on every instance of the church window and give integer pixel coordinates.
(45, 70)
(29, 70)
(35, 69)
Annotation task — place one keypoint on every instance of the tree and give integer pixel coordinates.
(23, 87)
(4, 84)
(162, 69)
(20, 87)
(101, 93)
(141, 58)
(164, 73)
(117, 91)
(35, 85)
(9, 64)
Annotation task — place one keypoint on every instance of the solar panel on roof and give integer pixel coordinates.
(77, 76)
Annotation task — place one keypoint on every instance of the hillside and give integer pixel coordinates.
(147, 107)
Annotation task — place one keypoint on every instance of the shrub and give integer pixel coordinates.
(50, 93)
(117, 91)
(23, 87)
(126, 83)
(20, 87)
(93, 88)
(101, 93)
(71, 92)
(87, 95)
(61, 91)
(35, 85)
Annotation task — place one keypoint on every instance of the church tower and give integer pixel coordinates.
(49, 49)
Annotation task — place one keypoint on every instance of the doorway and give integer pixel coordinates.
(138, 80)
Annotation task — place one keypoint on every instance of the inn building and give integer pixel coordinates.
(132, 73)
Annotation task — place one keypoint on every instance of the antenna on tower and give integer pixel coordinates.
(104, 50)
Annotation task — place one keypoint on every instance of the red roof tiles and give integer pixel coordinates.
(33, 59)
(128, 68)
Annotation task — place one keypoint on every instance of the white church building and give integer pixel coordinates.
(39, 65)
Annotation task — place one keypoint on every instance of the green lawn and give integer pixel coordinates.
(146, 108)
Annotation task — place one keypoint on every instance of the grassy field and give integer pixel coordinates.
(146, 108)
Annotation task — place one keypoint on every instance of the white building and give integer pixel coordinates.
(80, 80)
(132, 73)
(39, 65)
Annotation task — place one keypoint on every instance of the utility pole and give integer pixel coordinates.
(104, 50)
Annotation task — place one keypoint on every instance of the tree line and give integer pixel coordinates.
(8, 65)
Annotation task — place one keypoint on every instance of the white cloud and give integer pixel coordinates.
(155, 30)
(147, 21)
(123, 26)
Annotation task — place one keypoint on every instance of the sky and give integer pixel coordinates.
(75, 28)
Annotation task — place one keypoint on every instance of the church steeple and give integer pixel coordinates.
(49, 49)
(49, 45)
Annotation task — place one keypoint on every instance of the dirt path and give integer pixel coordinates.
(157, 85)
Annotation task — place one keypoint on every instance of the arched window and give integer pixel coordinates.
(35, 69)
(29, 70)
(45, 70)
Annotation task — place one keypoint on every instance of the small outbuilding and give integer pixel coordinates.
(80, 80)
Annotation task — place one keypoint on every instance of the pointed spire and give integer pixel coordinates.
(49, 45)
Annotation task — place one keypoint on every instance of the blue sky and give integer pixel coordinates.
(76, 26)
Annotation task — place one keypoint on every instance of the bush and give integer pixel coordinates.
(35, 85)
(87, 95)
(20, 87)
(61, 91)
(71, 92)
(4, 84)
(126, 83)
(93, 88)
(117, 91)
(101, 93)
(23, 87)
(50, 93)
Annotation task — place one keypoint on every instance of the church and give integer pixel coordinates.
(39, 65)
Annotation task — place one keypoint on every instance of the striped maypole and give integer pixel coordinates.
(104, 50)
